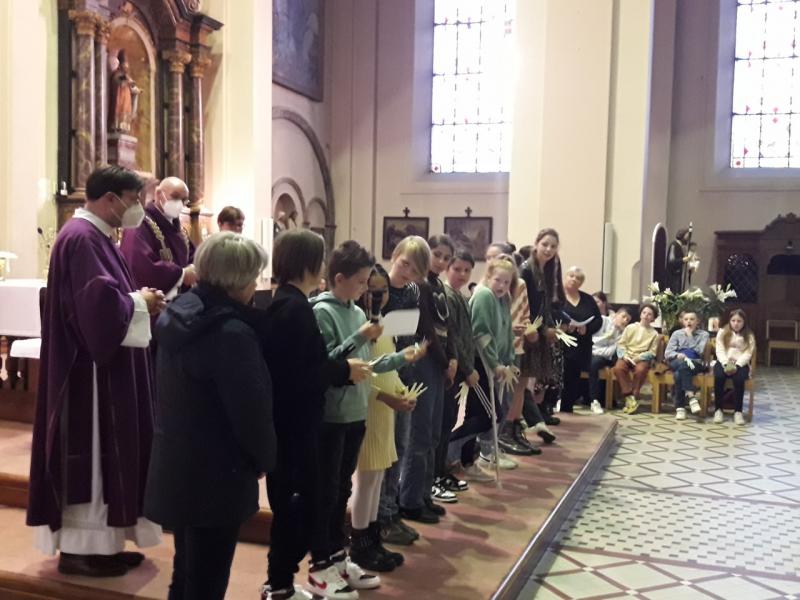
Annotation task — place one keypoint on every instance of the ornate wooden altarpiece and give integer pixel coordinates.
(164, 44)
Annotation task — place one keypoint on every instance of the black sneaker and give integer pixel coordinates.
(406, 527)
(420, 515)
(510, 445)
(434, 508)
(394, 533)
(551, 420)
(452, 483)
(372, 559)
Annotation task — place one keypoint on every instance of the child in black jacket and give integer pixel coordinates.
(301, 371)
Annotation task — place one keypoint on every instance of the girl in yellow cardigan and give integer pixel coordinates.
(378, 451)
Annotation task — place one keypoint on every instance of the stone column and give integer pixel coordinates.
(83, 156)
(101, 93)
(177, 60)
(197, 70)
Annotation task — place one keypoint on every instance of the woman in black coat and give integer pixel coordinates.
(214, 435)
(578, 307)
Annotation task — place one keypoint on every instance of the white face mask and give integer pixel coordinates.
(172, 208)
(133, 215)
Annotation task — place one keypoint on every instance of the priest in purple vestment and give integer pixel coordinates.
(94, 416)
(159, 252)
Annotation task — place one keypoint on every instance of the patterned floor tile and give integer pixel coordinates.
(675, 592)
(636, 576)
(581, 585)
(736, 588)
(689, 509)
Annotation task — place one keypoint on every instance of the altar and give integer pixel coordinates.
(19, 307)
(20, 331)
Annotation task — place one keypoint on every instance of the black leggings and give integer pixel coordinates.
(476, 419)
(738, 378)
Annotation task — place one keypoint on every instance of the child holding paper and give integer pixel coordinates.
(604, 353)
(636, 351)
(347, 333)
(442, 251)
(417, 475)
(511, 436)
(543, 359)
(378, 451)
(684, 354)
(411, 259)
(475, 419)
(301, 370)
(490, 312)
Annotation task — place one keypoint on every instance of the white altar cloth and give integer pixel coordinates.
(19, 307)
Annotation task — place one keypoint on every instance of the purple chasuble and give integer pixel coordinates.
(86, 316)
(142, 250)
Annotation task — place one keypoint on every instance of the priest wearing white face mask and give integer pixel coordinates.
(158, 251)
(94, 414)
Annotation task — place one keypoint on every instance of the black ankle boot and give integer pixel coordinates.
(364, 552)
(519, 435)
(374, 530)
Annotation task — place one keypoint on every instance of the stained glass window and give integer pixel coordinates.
(472, 86)
(765, 127)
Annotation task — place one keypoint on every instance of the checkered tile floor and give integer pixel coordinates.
(689, 510)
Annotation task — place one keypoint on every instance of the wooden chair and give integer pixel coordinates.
(778, 344)
(749, 385)
(661, 379)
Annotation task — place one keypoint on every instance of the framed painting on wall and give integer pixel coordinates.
(471, 234)
(396, 228)
(297, 46)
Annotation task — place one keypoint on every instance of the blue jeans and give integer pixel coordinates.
(683, 379)
(419, 460)
(388, 508)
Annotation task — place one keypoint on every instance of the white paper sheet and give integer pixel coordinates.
(401, 322)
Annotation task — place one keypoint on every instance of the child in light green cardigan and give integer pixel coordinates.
(490, 312)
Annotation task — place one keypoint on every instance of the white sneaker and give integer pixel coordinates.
(694, 405)
(329, 583)
(440, 494)
(680, 414)
(356, 577)
(476, 474)
(557, 407)
(738, 418)
(718, 416)
(267, 593)
(505, 463)
(596, 407)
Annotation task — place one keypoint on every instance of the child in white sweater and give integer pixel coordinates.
(735, 347)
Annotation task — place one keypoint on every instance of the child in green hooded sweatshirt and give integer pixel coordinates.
(347, 334)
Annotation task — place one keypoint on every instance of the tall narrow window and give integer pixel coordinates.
(471, 126)
(765, 127)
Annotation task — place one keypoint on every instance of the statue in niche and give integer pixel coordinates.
(682, 260)
(124, 97)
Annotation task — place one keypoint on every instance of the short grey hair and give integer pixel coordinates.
(578, 272)
(229, 261)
